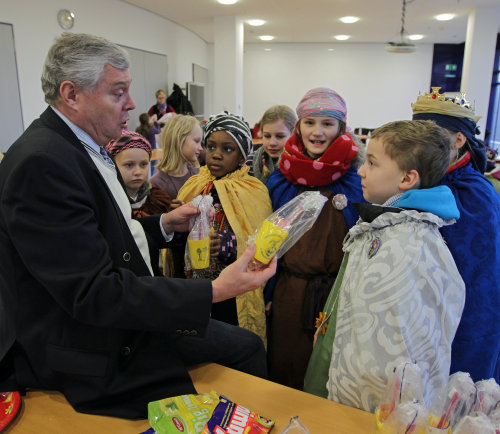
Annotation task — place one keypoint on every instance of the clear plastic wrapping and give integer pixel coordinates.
(282, 229)
(198, 242)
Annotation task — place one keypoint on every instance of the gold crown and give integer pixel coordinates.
(436, 102)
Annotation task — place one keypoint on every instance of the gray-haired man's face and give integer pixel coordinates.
(103, 112)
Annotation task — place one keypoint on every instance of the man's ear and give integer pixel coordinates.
(68, 93)
(411, 180)
(460, 141)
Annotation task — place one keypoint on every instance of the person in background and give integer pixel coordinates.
(241, 204)
(131, 153)
(474, 241)
(181, 141)
(161, 107)
(277, 126)
(319, 156)
(148, 128)
(91, 319)
(399, 295)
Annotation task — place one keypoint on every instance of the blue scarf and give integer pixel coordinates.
(468, 128)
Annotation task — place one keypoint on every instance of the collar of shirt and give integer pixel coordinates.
(392, 200)
(80, 134)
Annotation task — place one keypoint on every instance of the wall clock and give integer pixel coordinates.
(66, 19)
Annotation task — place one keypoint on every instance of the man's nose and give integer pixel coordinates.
(130, 103)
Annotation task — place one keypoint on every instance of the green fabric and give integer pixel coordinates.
(495, 182)
(319, 363)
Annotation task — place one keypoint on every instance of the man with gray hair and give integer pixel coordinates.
(87, 316)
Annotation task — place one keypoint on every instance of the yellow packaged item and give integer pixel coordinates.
(186, 414)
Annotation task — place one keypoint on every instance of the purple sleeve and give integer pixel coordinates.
(228, 247)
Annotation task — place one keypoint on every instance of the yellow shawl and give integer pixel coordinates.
(246, 203)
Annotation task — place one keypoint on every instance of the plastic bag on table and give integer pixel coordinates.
(184, 413)
(408, 417)
(455, 400)
(229, 417)
(404, 384)
(479, 424)
(198, 242)
(295, 427)
(283, 228)
(488, 395)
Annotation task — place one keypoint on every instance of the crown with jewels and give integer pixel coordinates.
(439, 103)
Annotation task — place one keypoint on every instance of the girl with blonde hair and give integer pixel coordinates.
(180, 140)
(277, 125)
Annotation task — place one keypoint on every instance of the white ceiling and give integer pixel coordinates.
(318, 20)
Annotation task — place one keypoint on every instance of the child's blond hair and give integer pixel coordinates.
(172, 138)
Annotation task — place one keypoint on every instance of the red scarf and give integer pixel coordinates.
(300, 169)
(464, 159)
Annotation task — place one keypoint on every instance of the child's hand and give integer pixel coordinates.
(214, 244)
(176, 203)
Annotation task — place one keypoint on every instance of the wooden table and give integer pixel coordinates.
(50, 413)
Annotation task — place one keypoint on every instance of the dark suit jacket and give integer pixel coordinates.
(85, 316)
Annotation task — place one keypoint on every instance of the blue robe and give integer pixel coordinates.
(474, 242)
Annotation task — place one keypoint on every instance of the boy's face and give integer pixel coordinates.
(380, 175)
(223, 154)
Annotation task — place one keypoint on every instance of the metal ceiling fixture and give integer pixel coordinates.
(403, 45)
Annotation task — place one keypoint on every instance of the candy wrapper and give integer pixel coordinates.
(282, 229)
(185, 413)
(198, 243)
(229, 417)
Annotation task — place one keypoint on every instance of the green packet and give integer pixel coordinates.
(185, 413)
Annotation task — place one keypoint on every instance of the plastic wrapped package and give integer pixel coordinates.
(295, 427)
(407, 417)
(229, 417)
(455, 400)
(479, 424)
(184, 413)
(198, 242)
(404, 385)
(282, 229)
(488, 395)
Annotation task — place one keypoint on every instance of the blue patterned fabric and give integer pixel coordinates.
(474, 242)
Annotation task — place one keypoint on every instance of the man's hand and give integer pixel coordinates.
(236, 279)
(177, 220)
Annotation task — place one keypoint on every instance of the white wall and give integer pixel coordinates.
(35, 27)
(377, 86)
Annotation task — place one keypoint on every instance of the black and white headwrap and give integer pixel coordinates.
(235, 126)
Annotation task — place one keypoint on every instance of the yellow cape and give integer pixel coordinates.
(246, 204)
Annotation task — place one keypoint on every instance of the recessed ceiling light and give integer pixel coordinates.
(342, 37)
(416, 37)
(227, 2)
(445, 17)
(266, 38)
(331, 49)
(267, 49)
(256, 23)
(349, 20)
